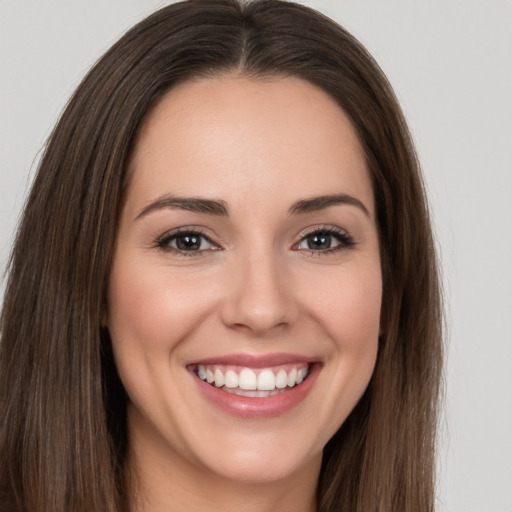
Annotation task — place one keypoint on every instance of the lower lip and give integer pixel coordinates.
(254, 407)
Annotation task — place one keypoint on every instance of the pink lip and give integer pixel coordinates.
(253, 407)
(254, 361)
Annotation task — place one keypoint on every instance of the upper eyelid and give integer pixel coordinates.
(322, 227)
(346, 239)
(185, 229)
(335, 230)
(173, 233)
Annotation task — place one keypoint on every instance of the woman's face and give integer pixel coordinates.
(245, 293)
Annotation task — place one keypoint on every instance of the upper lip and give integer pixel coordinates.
(254, 361)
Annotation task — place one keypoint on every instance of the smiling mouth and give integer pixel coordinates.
(253, 382)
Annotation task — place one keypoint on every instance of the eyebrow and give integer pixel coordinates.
(318, 203)
(191, 204)
(219, 207)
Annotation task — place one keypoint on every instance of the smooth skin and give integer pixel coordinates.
(261, 277)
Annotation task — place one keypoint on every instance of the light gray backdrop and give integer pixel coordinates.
(450, 62)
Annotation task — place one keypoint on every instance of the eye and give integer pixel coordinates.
(186, 242)
(325, 240)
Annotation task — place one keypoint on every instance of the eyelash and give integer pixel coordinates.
(344, 239)
(165, 240)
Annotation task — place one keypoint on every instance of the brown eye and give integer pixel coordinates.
(319, 241)
(190, 242)
(186, 242)
(325, 240)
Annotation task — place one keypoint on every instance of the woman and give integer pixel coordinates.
(223, 292)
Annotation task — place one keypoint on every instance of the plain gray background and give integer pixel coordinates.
(450, 62)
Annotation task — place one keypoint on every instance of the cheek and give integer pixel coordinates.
(350, 307)
(138, 310)
(152, 308)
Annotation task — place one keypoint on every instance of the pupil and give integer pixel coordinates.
(319, 241)
(188, 242)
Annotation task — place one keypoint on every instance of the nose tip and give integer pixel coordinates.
(258, 301)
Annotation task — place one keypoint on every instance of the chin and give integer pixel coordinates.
(254, 466)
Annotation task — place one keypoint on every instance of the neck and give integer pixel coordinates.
(223, 496)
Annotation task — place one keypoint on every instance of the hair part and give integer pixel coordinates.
(62, 407)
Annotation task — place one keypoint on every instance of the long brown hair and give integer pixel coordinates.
(62, 408)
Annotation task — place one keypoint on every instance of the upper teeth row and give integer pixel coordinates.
(247, 379)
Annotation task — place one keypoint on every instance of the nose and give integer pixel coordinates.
(259, 298)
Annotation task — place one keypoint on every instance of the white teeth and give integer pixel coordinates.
(247, 379)
(281, 379)
(230, 379)
(301, 374)
(292, 377)
(219, 379)
(266, 381)
(252, 393)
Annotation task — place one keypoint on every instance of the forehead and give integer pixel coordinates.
(237, 137)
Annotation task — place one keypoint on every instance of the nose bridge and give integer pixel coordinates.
(258, 298)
